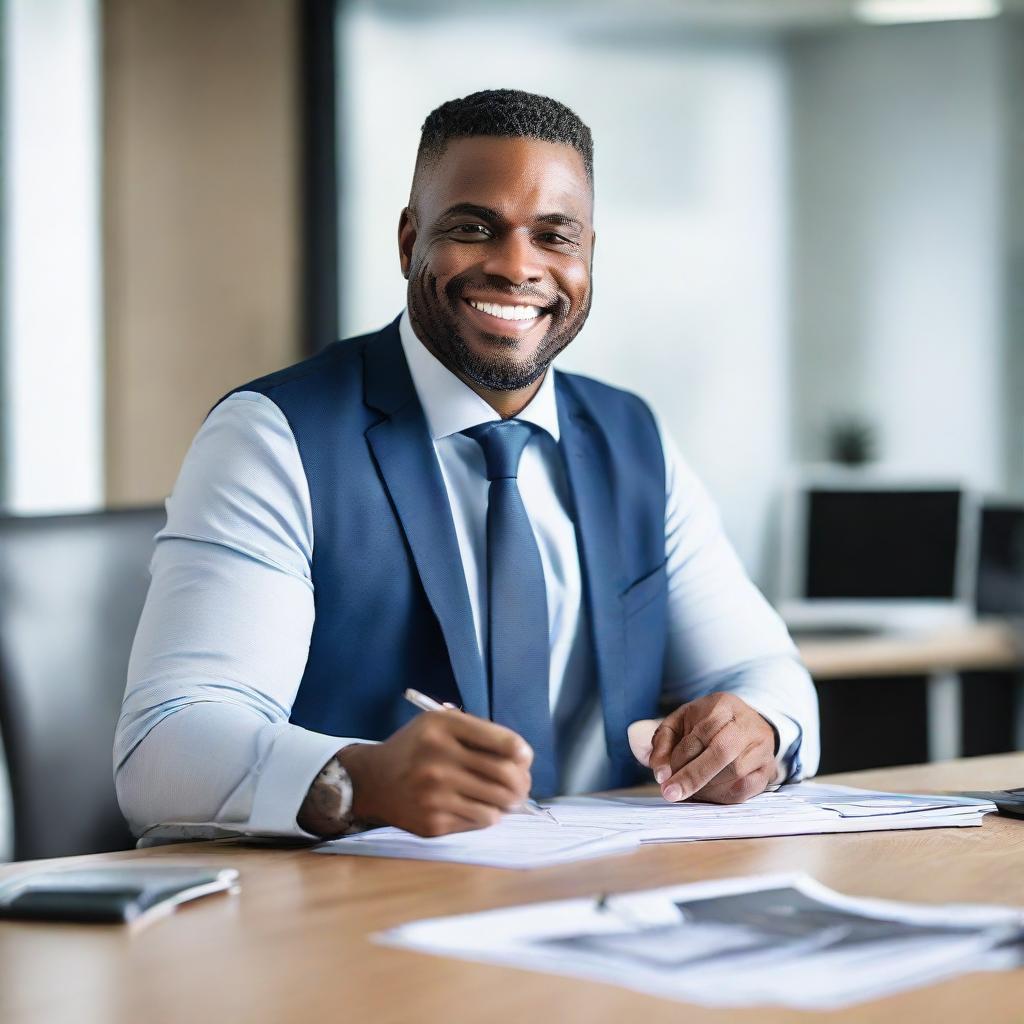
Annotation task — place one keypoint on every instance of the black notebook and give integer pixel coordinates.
(114, 895)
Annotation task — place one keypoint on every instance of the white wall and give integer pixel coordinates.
(51, 402)
(52, 341)
(1013, 253)
(690, 297)
(897, 268)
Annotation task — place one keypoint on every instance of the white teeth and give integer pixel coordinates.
(507, 312)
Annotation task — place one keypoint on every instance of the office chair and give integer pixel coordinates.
(71, 593)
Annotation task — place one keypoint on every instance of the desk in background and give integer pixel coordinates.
(294, 946)
(940, 656)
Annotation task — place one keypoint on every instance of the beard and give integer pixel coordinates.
(433, 312)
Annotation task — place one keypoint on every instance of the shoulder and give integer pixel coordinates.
(247, 439)
(244, 415)
(338, 361)
(336, 357)
(242, 485)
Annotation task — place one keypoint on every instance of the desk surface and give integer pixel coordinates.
(294, 945)
(986, 645)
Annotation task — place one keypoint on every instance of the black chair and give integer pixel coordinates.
(71, 592)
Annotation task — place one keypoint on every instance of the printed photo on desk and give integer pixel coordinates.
(784, 940)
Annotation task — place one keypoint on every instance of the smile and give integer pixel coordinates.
(507, 312)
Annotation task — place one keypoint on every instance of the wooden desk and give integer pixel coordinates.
(293, 947)
(978, 647)
(940, 655)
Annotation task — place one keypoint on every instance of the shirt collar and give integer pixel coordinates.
(451, 406)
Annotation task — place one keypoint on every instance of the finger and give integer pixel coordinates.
(474, 813)
(484, 791)
(696, 774)
(694, 725)
(741, 789)
(753, 784)
(500, 771)
(755, 757)
(665, 738)
(479, 734)
(436, 823)
(698, 738)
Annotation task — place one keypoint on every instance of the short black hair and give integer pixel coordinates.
(505, 113)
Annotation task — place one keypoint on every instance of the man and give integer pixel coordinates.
(432, 506)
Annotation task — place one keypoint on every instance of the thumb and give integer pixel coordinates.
(641, 738)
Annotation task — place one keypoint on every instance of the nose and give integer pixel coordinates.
(514, 258)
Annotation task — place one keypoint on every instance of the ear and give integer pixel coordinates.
(406, 239)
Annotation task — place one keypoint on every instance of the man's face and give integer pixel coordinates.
(497, 247)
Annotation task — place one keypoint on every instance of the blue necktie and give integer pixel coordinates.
(518, 645)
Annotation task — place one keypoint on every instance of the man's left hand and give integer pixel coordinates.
(715, 748)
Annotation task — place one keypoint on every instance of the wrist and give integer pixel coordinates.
(358, 761)
(775, 734)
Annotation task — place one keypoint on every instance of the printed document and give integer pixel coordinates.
(783, 940)
(801, 809)
(517, 841)
(596, 826)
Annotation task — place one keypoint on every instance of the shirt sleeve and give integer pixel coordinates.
(723, 636)
(203, 744)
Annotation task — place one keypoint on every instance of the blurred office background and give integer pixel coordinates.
(810, 221)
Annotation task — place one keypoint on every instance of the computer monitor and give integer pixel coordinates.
(1000, 583)
(864, 551)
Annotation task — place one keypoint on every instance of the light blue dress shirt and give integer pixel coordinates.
(204, 744)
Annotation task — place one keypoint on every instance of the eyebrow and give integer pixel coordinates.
(485, 213)
(561, 219)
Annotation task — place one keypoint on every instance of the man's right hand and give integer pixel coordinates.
(442, 772)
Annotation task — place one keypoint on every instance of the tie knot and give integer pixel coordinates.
(503, 443)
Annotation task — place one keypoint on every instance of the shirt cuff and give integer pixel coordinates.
(285, 777)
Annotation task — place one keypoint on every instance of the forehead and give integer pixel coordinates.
(519, 178)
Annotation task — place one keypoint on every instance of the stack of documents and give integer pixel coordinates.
(801, 809)
(597, 826)
(783, 939)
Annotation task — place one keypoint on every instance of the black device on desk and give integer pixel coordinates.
(1010, 802)
(108, 895)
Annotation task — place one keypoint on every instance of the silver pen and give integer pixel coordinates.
(425, 703)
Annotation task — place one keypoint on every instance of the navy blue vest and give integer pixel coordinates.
(391, 603)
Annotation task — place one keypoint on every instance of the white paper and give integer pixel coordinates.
(721, 944)
(518, 841)
(597, 826)
(801, 809)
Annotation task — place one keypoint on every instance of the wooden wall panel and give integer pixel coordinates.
(201, 219)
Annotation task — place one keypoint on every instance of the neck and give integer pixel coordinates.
(505, 403)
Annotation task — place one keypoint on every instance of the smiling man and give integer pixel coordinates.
(432, 506)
